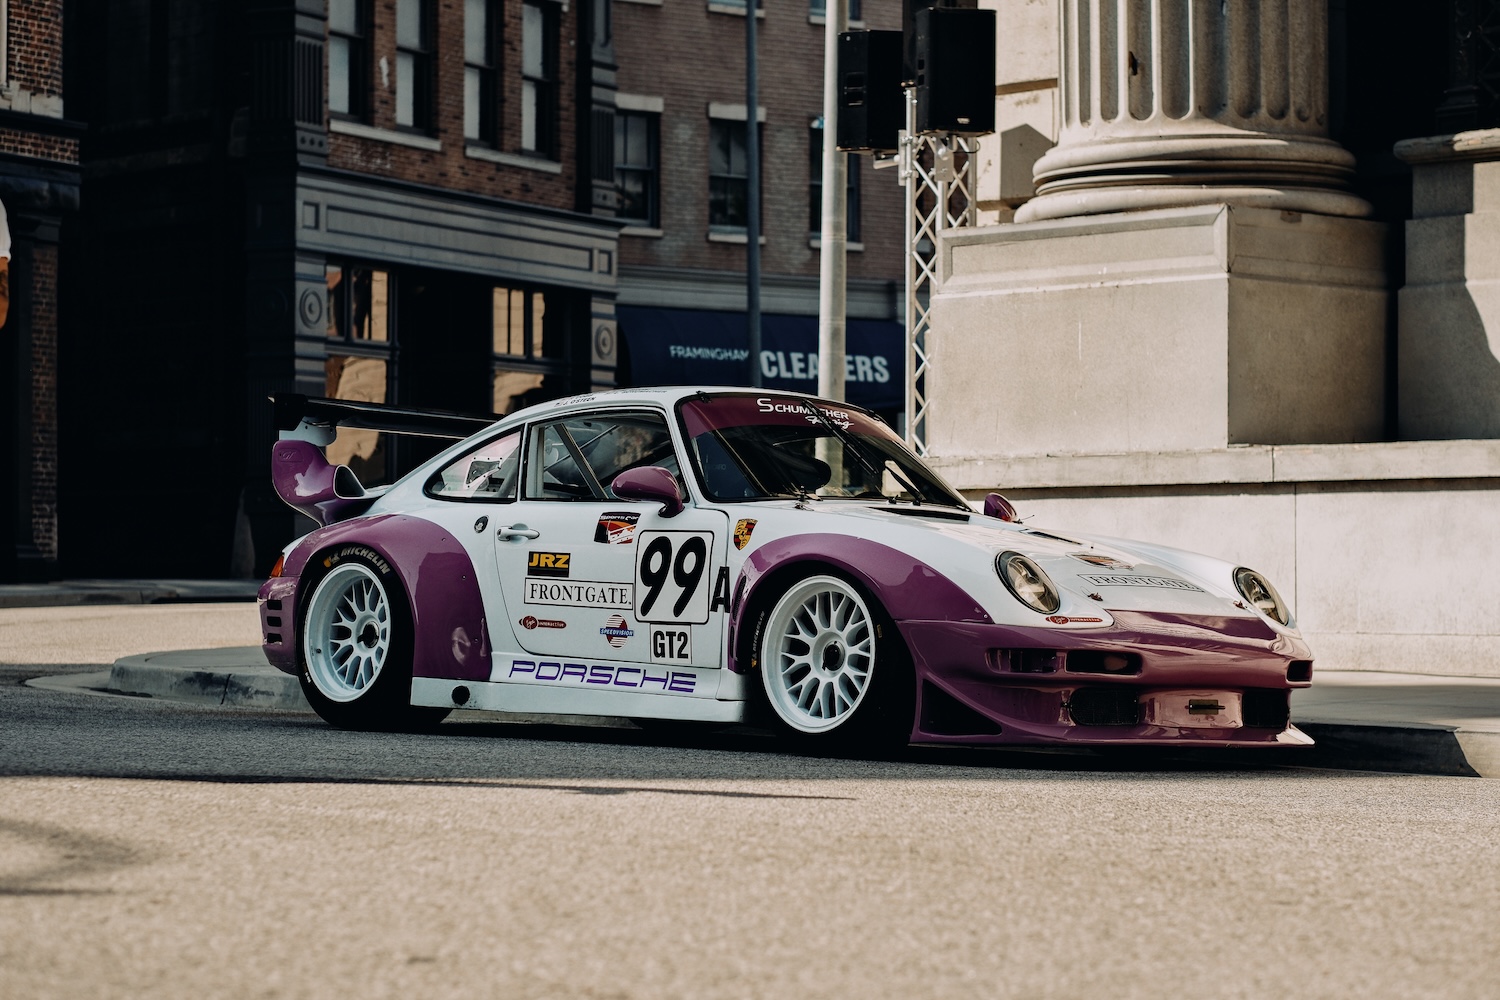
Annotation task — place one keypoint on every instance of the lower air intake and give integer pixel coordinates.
(1105, 706)
(1267, 708)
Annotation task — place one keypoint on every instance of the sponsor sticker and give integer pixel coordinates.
(614, 631)
(1131, 580)
(743, 529)
(548, 564)
(616, 527)
(1100, 560)
(1065, 620)
(639, 678)
(533, 622)
(671, 645)
(578, 593)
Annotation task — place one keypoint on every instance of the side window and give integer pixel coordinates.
(577, 458)
(489, 472)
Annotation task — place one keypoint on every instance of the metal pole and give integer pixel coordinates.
(833, 256)
(752, 223)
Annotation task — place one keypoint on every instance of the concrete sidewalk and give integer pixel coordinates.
(70, 593)
(1361, 720)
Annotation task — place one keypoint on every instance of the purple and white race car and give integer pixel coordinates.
(714, 555)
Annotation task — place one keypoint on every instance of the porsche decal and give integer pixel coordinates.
(742, 531)
(555, 671)
(1102, 561)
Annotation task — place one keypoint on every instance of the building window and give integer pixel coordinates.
(529, 359)
(637, 174)
(414, 63)
(539, 78)
(819, 8)
(358, 365)
(349, 58)
(815, 187)
(482, 20)
(728, 174)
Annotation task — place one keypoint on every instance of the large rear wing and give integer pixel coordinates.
(305, 425)
(294, 410)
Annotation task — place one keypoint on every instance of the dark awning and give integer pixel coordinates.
(707, 347)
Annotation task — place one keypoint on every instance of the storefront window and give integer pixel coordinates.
(358, 364)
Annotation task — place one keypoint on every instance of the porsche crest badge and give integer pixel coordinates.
(742, 531)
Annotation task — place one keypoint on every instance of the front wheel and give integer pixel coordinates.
(357, 647)
(832, 666)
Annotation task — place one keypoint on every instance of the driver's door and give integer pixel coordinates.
(592, 578)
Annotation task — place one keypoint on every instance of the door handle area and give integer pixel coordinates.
(508, 532)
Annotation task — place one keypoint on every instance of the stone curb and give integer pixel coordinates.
(84, 593)
(248, 687)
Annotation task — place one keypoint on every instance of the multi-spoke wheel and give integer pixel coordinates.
(826, 666)
(348, 636)
(356, 647)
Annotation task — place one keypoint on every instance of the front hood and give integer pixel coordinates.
(1094, 576)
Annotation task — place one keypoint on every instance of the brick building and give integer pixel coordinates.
(402, 201)
(39, 185)
(680, 140)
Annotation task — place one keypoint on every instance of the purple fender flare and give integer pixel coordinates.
(451, 636)
(908, 589)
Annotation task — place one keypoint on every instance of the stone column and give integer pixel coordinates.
(1172, 103)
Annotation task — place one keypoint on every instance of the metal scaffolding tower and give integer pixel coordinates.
(939, 172)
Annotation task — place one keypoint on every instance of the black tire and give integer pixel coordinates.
(356, 646)
(834, 672)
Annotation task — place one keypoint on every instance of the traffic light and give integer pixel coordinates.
(872, 104)
(954, 69)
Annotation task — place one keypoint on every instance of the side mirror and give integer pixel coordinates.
(652, 484)
(996, 505)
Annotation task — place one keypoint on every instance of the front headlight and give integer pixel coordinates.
(1027, 582)
(1258, 591)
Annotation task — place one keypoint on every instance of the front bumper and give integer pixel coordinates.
(1148, 679)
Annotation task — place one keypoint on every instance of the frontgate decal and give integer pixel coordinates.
(639, 678)
(578, 593)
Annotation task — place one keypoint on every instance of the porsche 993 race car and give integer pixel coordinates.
(714, 555)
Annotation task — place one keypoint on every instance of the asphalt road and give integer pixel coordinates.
(158, 850)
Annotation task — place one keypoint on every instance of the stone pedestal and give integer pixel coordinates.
(1448, 333)
(1164, 331)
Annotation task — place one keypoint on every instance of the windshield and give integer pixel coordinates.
(749, 447)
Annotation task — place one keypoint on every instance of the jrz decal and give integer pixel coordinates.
(743, 528)
(616, 527)
(548, 564)
(554, 671)
(671, 577)
(578, 594)
(614, 631)
(671, 644)
(1159, 582)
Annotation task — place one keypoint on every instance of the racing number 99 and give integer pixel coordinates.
(670, 575)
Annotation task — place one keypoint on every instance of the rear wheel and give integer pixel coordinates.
(832, 666)
(357, 647)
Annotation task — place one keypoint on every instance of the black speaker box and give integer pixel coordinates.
(909, 10)
(955, 70)
(872, 105)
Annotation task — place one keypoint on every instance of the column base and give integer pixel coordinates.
(1172, 330)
